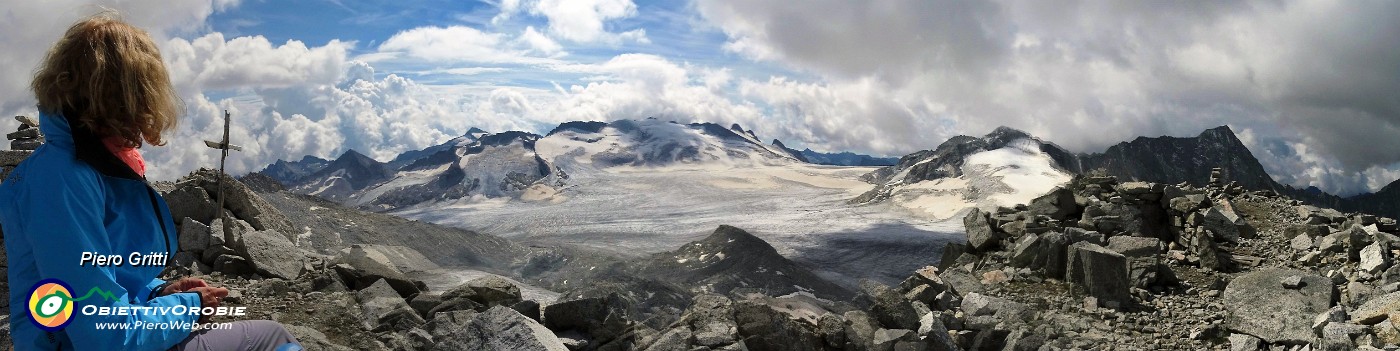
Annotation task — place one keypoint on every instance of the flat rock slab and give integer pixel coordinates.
(1258, 304)
(273, 255)
(1376, 309)
(498, 328)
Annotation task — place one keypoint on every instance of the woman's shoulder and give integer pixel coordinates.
(50, 168)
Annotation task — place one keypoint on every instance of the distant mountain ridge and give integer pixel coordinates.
(847, 158)
(1162, 159)
(342, 177)
(510, 164)
(520, 160)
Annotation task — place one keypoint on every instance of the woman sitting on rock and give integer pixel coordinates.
(81, 201)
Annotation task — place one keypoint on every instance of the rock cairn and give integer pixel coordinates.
(22, 143)
(27, 137)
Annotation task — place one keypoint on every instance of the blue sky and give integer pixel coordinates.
(1306, 84)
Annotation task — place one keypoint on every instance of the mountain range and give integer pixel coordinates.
(515, 164)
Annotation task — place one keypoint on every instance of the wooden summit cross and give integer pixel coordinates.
(223, 147)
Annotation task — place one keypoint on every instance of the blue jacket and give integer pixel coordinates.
(73, 196)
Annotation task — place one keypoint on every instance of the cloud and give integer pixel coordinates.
(463, 44)
(539, 42)
(579, 21)
(1088, 74)
(31, 27)
(640, 85)
(211, 62)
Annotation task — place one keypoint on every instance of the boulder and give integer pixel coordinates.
(860, 330)
(191, 202)
(1258, 304)
(712, 318)
(1336, 314)
(225, 239)
(383, 309)
(312, 339)
(1135, 246)
(1102, 272)
(1302, 242)
(488, 291)
(764, 327)
(675, 339)
(457, 304)
(980, 235)
(1028, 252)
(424, 302)
(1376, 309)
(832, 330)
(1058, 204)
(1074, 235)
(360, 267)
(194, 236)
(932, 330)
(895, 339)
(1243, 342)
(529, 308)
(1054, 246)
(1375, 258)
(1338, 336)
(975, 304)
(1144, 257)
(1138, 188)
(232, 265)
(1221, 224)
(1188, 203)
(893, 311)
(497, 328)
(272, 255)
(602, 318)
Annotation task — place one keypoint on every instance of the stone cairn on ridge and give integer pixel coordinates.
(22, 142)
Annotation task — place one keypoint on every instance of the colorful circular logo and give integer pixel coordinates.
(51, 304)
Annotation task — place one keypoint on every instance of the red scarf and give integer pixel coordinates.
(128, 155)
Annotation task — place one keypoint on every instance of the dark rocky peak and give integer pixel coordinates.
(728, 238)
(731, 258)
(1392, 189)
(505, 138)
(354, 157)
(794, 153)
(292, 172)
(577, 126)
(1003, 135)
(1172, 160)
(474, 132)
(309, 159)
(721, 132)
(356, 168)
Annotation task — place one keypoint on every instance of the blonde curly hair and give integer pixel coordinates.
(107, 76)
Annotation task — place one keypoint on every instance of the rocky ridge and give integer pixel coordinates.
(1136, 265)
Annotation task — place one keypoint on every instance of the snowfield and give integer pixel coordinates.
(800, 209)
(1011, 175)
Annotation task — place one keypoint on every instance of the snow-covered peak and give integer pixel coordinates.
(1003, 168)
(1013, 174)
(656, 143)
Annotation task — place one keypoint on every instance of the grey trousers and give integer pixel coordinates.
(259, 335)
